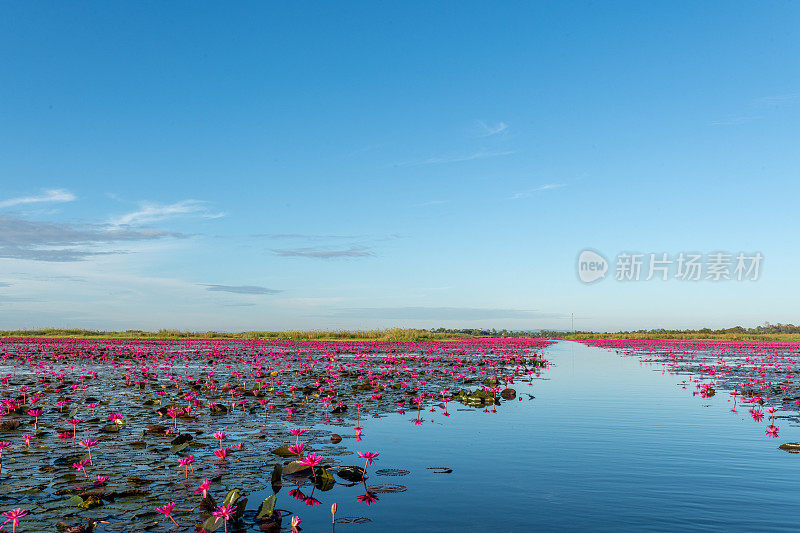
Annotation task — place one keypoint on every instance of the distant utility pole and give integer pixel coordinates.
(572, 317)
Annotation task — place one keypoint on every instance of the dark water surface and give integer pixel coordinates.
(608, 444)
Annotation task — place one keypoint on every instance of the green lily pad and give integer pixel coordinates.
(325, 480)
(277, 472)
(283, 451)
(179, 447)
(267, 507)
(232, 497)
(293, 467)
(352, 474)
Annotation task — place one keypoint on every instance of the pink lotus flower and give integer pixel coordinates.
(13, 516)
(369, 456)
(74, 423)
(203, 488)
(297, 433)
(166, 510)
(89, 444)
(186, 462)
(220, 436)
(312, 460)
(81, 465)
(225, 512)
(174, 413)
(297, 449)
(35, 413)
(221, 453)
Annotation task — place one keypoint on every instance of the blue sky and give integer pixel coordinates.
(239, 166)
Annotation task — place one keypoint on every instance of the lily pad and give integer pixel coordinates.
(352, 474)
(791, 447)
(74, 500)
(277, 472)
(293, 467)
(324, 480)
(267, 507)
(283, 451)
(179, 447)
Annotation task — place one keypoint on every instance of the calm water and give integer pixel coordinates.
(608, 444)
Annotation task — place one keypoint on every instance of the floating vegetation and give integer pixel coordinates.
(391, 472)
(757, 375)
(388, 488)
(130, 435)
(353, 520)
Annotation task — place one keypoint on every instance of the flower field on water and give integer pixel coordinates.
(761, 377)
(124, 435)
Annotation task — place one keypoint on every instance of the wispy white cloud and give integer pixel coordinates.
(242, 289)
(440, 313)
(364, 239)
(759, 108)
(50, 195)
(457, 158)
(364, 149)
(487, 130)
(327, 253)
(328, 246)
(531, 192)
(152, 212)
(430, 203)
(777, 100)
(61, 242)
(307, 236)
(735, 121)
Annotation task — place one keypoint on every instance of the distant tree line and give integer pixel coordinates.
(766, 329)
(764, 332)
(736, 331)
